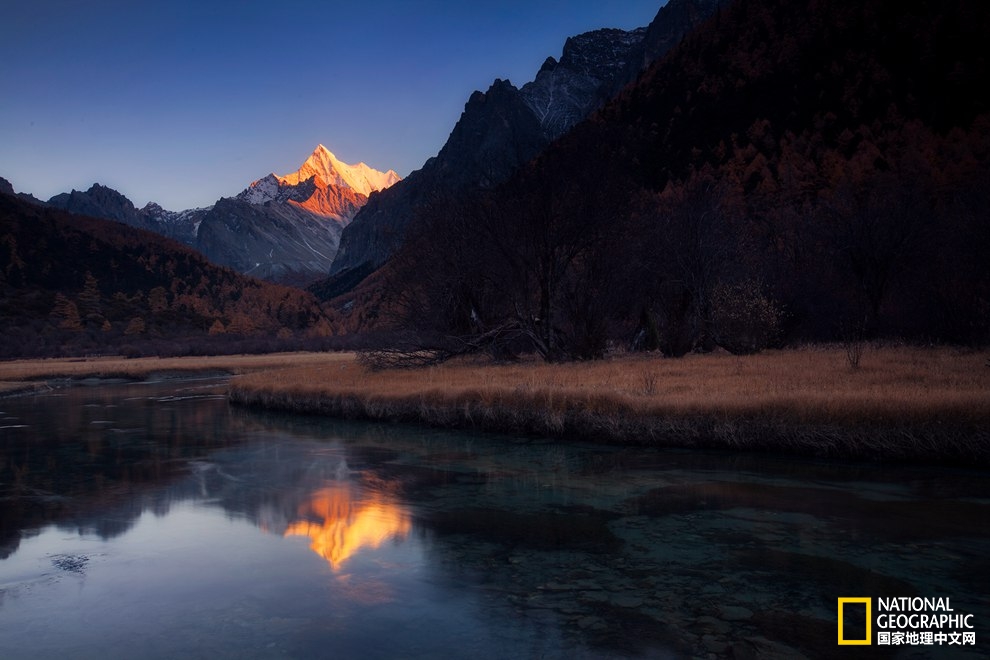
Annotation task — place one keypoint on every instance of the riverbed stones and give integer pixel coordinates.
(710, 623)
(626, 600)
(734, 613)
(591, 623)
(70, 563)
(761, 648)
(714, 645)
(595, 596)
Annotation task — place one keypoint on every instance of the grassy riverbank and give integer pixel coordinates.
(28, 375)
(901, 403)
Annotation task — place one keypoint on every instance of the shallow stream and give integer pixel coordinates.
(155, 521)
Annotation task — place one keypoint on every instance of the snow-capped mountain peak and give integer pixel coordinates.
(324, 165)
(288, 227)
(323, 185)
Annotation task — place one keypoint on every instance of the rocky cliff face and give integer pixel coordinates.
(276, 242)
(567, 91)
(505, 127)
(496, 133)
(673, 21)
(180, 225)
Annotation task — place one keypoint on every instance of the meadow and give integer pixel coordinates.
(898, 404)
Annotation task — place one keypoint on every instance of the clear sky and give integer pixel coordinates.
(184, 101)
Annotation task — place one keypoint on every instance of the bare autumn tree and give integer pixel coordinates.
(692, 252)
(443, 289)
(958, 271)
(525, 268)
(876, 228)
(559, 234)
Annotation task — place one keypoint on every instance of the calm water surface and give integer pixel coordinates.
(154, 521)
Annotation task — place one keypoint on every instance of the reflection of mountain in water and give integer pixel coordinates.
(92, 461)
(339, 525)
(571, 545)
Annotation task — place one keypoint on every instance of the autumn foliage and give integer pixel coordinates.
(71, 284)
(791, 170)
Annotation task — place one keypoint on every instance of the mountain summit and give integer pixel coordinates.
(324, 185)
(332, 171)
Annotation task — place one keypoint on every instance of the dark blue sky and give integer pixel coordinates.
(181, 102)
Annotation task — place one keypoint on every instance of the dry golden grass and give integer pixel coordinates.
(20, 375)
(902, 403)
(809, 399)
(814, 384)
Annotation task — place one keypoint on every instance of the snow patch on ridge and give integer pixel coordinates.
(261, 191)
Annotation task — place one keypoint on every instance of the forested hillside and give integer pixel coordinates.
(71, 284)
(792, 171)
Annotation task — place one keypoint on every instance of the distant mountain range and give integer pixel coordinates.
(280, 228)
(294, 228)
(100, 201)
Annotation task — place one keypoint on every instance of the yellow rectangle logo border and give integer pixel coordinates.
(869, 620)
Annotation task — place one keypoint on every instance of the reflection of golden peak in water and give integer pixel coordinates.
(346, 525)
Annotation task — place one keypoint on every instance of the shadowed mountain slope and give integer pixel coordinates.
(791, 170)
(505, 127)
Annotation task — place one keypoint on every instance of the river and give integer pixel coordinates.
(153, 520)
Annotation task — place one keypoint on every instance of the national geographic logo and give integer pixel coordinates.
(903, 621)
(867, 639)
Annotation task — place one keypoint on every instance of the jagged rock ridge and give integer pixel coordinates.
(505, 127)
(567, 91)
(103, 202)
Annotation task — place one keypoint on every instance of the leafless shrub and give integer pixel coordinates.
(650, 380)
(854, 352)
(744, 318)
(852, 342)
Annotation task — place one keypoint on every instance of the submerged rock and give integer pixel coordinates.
(71, 563)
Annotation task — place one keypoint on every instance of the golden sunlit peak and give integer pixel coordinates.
(329, 170)
(339, 526)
